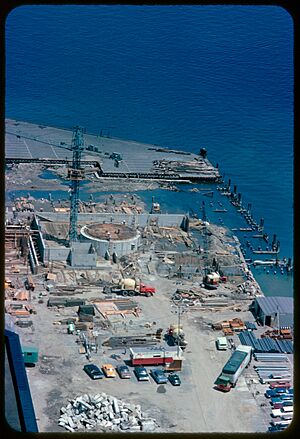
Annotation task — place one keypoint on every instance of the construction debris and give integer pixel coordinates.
(230, 326)
(137, 340)
(117, 307)
(104, 412)
(18, 309)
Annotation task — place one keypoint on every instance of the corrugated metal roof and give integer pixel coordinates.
(272, 305)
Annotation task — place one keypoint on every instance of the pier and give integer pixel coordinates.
(114, 158)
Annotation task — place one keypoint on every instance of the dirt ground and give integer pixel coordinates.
(193, 407)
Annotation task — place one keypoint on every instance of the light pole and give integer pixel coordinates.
(180, 309)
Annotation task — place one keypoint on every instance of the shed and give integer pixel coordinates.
(30, 354)
(271, 310)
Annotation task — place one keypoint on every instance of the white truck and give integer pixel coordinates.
(222, 344)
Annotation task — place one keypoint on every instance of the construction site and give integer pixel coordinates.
(112, 283)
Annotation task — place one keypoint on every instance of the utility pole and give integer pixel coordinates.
(278, 320)
(180, 310)
(178, 323)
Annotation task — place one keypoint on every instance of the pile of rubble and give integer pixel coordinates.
(104, 412)
(249, 287)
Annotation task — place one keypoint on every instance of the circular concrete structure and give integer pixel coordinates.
(111, 238)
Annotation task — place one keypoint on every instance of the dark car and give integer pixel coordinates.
(123, 371)
(285, 397)
(174, 379)
(275, 428)
(281, 390)
(93, 371)
(159, 376)
(141, 373)
(270, 393)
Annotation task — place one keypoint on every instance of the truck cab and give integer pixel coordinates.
(223, 383)
(222, 344)
(146, 290)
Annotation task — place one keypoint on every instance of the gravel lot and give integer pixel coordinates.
(193, 407)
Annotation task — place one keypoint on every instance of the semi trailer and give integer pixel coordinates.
(234, 367)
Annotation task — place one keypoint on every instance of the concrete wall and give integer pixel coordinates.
(61, 253)
(56, 254)
(122, 247)
(80, 260)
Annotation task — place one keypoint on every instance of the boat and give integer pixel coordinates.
(243, 229)
(261, 262)
(265, 252)
(220, 210)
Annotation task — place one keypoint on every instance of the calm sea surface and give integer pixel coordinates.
(219, 77)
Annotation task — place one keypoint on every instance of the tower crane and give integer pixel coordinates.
(75, 174)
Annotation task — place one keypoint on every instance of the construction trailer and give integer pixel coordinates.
(234, 367)
(169, 357)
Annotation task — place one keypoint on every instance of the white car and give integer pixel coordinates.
(282, 411)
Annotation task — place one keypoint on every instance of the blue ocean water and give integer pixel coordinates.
(219, 77)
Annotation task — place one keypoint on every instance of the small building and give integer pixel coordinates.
(274, 311)
(169, 357)
(30, 354)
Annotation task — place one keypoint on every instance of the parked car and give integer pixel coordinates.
(282, 411)
(174, 379)
(141, 373)
(270, 393)
(278, 404)
(123, 371)
(276, 427)
(281, 390)
(159, 376)
(286, 397)
(276, 399)
(109, 370)
(93, 371)
(280, 384)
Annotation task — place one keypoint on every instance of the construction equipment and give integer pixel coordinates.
(177, 336)
(211, 280)
(29, 284)
(155, 207)
(131, 287)
(71, 328)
